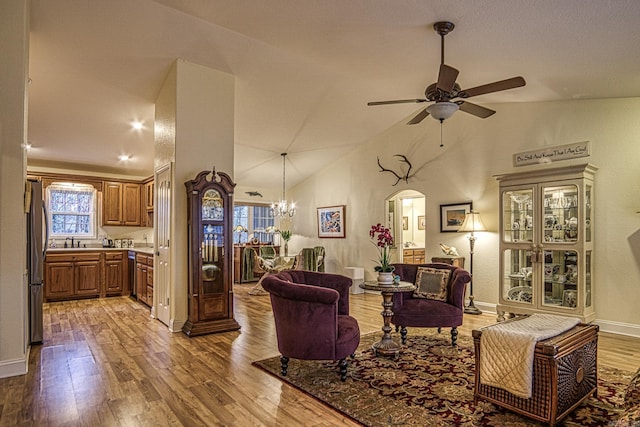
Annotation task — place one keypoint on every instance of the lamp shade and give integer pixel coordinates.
(442, 110)
(240, 229)
(472, 223)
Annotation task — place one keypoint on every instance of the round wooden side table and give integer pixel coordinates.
(387, 346)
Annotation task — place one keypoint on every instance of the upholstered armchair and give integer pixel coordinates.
(435, 308)
(311, 312)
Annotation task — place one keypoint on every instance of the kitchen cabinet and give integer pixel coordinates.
(144, 278)
(115, 273)
(547, 242)
(413, 256)
(72, 275)
(121, 203)
(146, 218)
(210, 253)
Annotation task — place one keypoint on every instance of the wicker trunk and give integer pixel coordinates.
(564, 374)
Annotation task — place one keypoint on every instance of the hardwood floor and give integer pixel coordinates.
(105, 362)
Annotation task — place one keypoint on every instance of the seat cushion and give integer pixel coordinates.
(426, 313)
(348, 336)
(432, 283)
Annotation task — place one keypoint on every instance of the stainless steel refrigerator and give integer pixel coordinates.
(36, 248)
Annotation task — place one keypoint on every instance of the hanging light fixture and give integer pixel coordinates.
(283, 209)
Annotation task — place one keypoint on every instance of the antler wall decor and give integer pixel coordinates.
(404, 177)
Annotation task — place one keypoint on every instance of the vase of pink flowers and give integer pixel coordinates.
(383, 240)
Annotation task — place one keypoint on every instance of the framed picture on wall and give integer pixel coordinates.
(405, 222)
(331, 221)
(421, 222)
(452, 216)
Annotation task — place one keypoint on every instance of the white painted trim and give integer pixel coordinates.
(176, 325)
(628, 329)
(620, 328)
(14, 367)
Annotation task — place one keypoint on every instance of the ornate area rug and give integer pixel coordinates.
(431, 383)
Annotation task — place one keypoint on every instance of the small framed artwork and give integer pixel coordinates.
(452, 216)
(331, 221)
(405, 222)
(421, 222)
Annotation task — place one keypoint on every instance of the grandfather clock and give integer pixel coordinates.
(210, 254)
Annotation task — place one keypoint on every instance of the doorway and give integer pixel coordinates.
(407, 221)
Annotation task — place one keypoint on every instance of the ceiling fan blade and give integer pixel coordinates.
(492, 87)
(446, 78)
(475, 109)
(398, 101)
(418, 117)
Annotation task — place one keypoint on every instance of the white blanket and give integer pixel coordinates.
(507, 350)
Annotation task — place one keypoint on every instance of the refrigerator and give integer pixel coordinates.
(37, 232)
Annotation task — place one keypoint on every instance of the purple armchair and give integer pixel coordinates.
(427, 313)
(311, 311)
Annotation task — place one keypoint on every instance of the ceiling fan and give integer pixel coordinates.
(446, 89)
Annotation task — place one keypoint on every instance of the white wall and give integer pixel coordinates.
(474, 150)
(14, 51)
(195, 130)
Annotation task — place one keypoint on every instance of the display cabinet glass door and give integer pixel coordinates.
(212, 256)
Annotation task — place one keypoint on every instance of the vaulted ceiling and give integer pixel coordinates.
(304, 69)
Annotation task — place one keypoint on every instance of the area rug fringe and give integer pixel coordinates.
(431, 383)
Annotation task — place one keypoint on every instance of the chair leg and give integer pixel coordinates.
(284, 364)
(439, 329)
(353, 355)
(454, 336)
(403, 334)
(343, 369)
(397, 327)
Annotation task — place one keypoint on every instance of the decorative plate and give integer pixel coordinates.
(520, 293)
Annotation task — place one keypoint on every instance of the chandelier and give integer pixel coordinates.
(283, 209)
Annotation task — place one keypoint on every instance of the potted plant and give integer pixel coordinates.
(383, 240)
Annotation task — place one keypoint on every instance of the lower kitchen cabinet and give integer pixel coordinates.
(115, 273)
(101, 273)
(72, 275)
(144, 278)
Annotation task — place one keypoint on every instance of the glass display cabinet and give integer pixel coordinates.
(546, 242)
(210, 254)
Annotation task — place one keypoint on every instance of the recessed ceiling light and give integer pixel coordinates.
(124, 157)
(137, 125)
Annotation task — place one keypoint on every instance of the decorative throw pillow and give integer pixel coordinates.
(431, 283)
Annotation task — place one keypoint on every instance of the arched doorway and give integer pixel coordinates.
(406, 219)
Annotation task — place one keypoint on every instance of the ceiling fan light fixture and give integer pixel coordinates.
(442, 110)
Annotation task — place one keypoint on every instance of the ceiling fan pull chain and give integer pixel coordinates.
(441, 123)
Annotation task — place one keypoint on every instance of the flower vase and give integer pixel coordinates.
(385, 278)
(286, 248)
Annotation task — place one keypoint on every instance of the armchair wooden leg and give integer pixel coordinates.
(403, 334)
(343, 369)
(439, 329)
(284, 364)
(397, 328)
(454, 336)
(353, 355)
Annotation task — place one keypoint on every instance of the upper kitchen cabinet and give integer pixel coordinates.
(146, 213)
(121, 203)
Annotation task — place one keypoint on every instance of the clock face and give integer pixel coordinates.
(255, 241)
(212, 206)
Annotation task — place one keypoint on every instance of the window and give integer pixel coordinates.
(256, 219)
(71, 210)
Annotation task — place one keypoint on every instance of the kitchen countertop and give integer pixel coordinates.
(146, 249)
